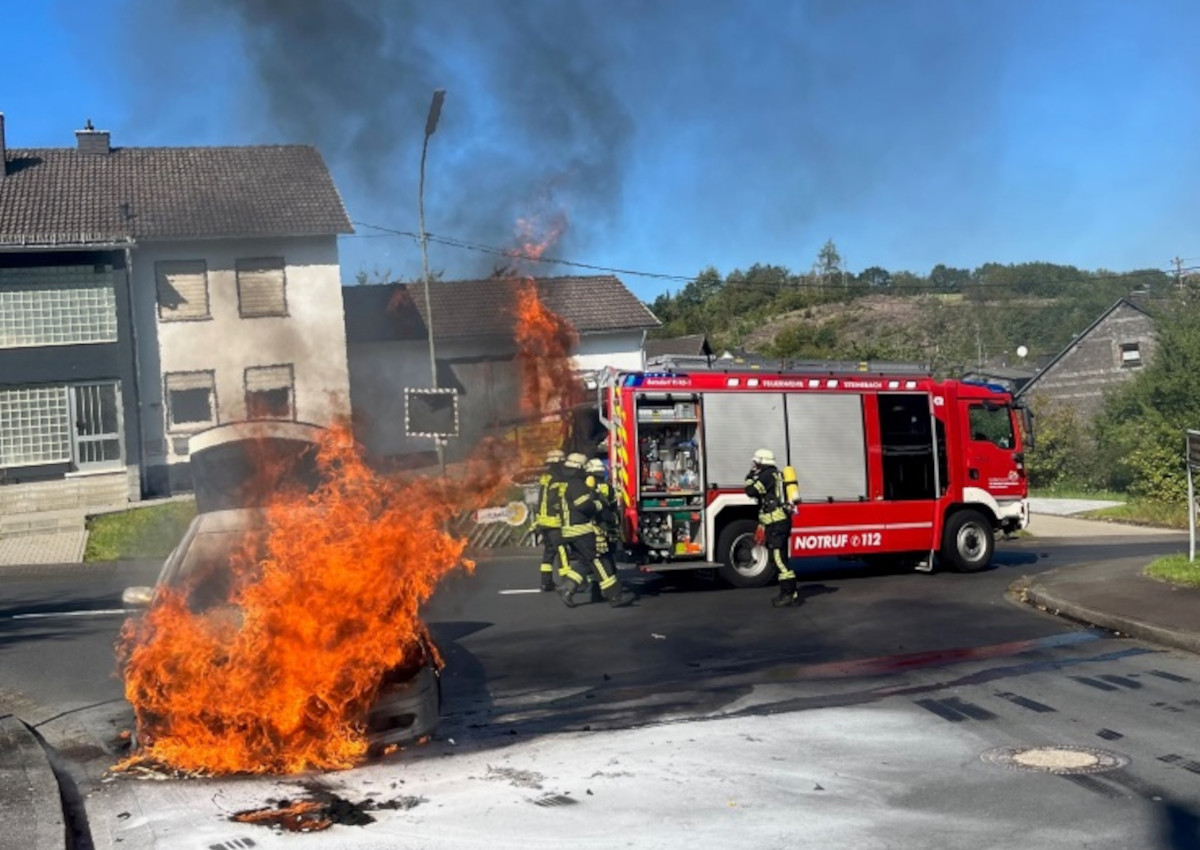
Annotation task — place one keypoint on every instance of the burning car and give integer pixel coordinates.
(200, 567)
(256, 651)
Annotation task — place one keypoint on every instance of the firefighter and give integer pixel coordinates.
(580, 509)
(607, 539)
(549, 516)
(765, 485)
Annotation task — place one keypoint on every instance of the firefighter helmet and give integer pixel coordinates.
(575, 461)
(555, 456)
(764, 457)
(595, 466)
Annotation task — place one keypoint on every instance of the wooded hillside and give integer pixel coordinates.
(951, 319)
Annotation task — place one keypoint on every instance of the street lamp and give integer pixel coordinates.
(431, 122)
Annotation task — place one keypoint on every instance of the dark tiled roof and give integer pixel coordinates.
(693, 345)
(476, 308)
(59, 195)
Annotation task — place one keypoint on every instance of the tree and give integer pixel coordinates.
(907, 282)
(829, 263)
(876, 277)
(1060, 454)
(703, 287)
(1140, 431)
(948, 279)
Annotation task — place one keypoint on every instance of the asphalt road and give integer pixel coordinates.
(509, 647)
(888, 690)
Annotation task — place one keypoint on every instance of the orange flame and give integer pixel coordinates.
(545, 340)
(281, 681)
(545, 343)
(536, 235)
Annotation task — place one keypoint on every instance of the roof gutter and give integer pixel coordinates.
(67, 245)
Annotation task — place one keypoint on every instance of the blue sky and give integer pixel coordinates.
(672, 135)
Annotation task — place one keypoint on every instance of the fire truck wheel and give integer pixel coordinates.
(968, 541)
(743, 564)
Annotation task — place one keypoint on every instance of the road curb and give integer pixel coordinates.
(30, 803)
(1039, 596)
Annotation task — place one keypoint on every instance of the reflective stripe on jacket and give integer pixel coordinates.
(765, 485)
(580, 507)
(549, 501)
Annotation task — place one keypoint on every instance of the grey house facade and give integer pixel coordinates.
(149, 293)
(1109, 351)
(473, 321)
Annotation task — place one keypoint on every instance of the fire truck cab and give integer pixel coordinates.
(891, 466)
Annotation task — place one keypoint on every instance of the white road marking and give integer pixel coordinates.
(45, 614)
(522, 590)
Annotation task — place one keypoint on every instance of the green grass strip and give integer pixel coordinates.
(138, 533)
(1176, 569)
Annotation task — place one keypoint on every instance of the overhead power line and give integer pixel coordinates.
(514, 254)
(779, 283)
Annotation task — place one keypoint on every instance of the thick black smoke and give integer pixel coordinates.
(530, 122)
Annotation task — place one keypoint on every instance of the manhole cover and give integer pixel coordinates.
(1064, 759)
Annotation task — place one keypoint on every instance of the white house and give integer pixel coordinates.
(474, 338)
(149, 293)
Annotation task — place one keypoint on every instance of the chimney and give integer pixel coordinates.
(3, 149)
(92, 140)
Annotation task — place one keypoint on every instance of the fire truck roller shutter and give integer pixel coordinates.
(735, 426)
(827, 445)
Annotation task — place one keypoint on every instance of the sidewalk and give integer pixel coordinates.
(47, 537)
(1113, 595)
(30, 809)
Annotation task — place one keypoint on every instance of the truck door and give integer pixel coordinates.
(991, 455)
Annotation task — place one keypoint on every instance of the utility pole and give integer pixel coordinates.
(431, 122)
(1178, 274)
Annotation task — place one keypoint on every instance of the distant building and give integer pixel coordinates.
(150, 293)
(678, 352)
(1105, 354)
(474, 337)
(1011, 378)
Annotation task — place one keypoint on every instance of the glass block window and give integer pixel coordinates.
(262, 287)
(57, 305)
(269, 392)
(191, 400)
(35, 426)
(182, 290)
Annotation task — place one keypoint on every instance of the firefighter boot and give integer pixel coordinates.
(547, 581)
(566, 591)
(787, 594)
(619, 596)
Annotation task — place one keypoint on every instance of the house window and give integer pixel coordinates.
(57, 305)
(35, 426)
(182, 290)
(191, 401)
(269, 392)
(262, 287)
(1131, 354)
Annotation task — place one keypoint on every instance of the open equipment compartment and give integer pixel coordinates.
(670, 484)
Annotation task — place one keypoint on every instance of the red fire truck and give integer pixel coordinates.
(891, 466)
